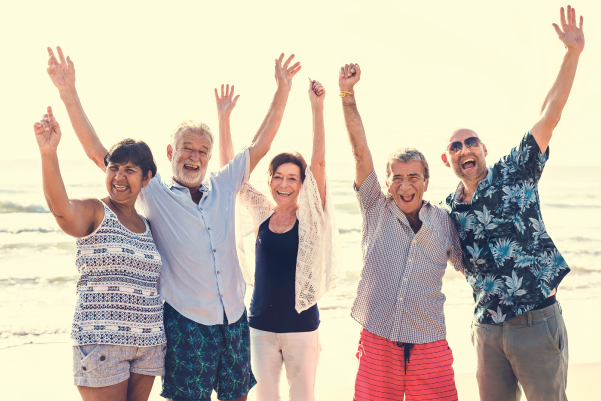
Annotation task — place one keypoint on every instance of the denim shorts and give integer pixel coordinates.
(101, 365)
(202, 358)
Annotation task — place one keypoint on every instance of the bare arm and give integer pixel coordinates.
(573, 38)
(364, 165)
(75, 217)
(225, 105)
(262, 140)
(317, 94)
(62, 74)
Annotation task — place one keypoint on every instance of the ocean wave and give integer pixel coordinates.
(12, 281)
(31, 230)
(566, 206)
(348, 230)
(65, 246)
(10, 207)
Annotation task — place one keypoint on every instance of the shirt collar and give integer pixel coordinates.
(487, 182)
(175, 184)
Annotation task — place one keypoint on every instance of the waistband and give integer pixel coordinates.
(535, 315)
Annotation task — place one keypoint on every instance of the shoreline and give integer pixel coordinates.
(43, 370)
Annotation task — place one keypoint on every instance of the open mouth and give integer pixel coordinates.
(468, 164)
(191, 167)
(283, 193)
(120, 188)
(407, 198)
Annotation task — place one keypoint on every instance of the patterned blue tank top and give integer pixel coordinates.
(117, 298)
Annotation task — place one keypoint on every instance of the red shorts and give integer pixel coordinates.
(381, 374)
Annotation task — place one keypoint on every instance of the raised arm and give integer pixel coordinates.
(572, 37)
(62, 74)
(225, 105)
(75, 217)
(364, 165)
(317, 94)
(264, 137)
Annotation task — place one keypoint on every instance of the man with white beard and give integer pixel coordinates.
(208, 345)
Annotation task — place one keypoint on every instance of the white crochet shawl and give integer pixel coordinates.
(317, 264)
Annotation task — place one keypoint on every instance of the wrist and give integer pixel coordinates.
(48, 151)
(573, 52)
(317, 107)
(224, 114)
(284, 88)
(346, 88)
(68, 93)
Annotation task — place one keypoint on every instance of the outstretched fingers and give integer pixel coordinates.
(288, 61)
(60, 54)
(581, 21)
(562, 18)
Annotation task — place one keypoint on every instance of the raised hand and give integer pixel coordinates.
(570, 34)
(61, 71)
(226, 102)
(317, 94)
(47, 131)
(285, 73)
(349, 76)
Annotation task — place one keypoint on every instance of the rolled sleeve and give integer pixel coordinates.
(369, 192)
(237, 171)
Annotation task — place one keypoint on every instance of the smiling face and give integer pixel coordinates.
(469, 164)
(124, 181)
(190, 158)
(407, 185)
(285, 184)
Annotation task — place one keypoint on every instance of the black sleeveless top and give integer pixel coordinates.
(272, 305)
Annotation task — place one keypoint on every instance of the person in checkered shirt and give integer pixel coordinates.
(406, 245)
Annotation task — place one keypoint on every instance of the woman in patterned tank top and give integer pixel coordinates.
(118, 335)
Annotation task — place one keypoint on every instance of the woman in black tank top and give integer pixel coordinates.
(279, 334)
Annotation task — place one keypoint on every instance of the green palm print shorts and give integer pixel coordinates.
(202, 358)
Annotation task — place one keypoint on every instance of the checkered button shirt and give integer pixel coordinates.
(399, 295)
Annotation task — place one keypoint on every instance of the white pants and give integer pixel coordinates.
(298, 351)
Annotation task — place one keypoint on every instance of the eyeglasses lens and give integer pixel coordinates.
(472, 142)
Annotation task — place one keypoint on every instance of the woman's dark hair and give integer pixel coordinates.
(288, 157)
(135, 152)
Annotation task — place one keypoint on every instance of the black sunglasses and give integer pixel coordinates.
(470, 142)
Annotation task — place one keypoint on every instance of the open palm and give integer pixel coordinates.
(61, 71)
(226, 102)
(285, 73)
(47, 131)
(570, 34)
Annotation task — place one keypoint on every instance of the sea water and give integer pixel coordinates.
(37, 260)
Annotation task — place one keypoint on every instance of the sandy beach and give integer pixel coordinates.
(43, 371)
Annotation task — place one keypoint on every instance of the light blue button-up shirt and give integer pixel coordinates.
(201, 276)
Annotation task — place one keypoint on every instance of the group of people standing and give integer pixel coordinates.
(162, 293)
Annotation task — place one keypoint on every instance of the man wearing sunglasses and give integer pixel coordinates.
(510, 261)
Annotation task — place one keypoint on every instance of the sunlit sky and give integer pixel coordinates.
(428, 68)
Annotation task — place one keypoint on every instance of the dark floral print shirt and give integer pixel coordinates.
(510, 261)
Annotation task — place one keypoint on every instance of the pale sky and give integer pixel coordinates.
(428, 68)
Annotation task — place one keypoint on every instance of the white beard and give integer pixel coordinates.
(188, 178)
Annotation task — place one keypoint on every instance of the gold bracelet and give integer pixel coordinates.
(344, 93)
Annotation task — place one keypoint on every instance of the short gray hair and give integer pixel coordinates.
(191, 126)
(405, 155)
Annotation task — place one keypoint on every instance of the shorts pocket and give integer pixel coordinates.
(91, 356)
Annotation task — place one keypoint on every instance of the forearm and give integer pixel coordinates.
(318, 157)
(354, 127)
(54, 187)
(83, 128)
(560, 91)
(264, 137)
(556, 100)
(319, 137)
(226, 146)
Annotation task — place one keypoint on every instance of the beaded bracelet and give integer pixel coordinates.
(344, 93)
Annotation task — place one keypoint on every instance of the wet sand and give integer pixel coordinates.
(43, 371)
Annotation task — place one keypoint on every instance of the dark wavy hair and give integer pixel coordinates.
(135, 152)
(288, 157)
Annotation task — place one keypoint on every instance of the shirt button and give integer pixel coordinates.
(102, 358)
(200, 208)
(214, 250)
(222, 296)
(400, 299)
(209, 228)
(217, 271)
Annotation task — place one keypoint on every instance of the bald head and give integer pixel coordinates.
(460, 135)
